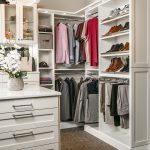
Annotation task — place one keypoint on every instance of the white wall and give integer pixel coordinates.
(66, 5)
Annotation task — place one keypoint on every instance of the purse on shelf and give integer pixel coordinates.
(27, 64)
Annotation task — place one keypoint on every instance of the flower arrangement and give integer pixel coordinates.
(10, 62)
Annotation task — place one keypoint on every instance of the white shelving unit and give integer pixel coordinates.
(46, 50)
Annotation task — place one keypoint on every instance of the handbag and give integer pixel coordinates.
(26, 64)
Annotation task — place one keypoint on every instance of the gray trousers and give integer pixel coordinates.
(108, 119)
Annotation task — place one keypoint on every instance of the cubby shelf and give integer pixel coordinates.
(114, 19)
(119, 34)
(115, 54)
(115, 75)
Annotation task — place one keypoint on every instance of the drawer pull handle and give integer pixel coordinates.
(23, 134)
(22, 116)
(16, 107)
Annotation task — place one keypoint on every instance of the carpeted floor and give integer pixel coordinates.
(77, 139)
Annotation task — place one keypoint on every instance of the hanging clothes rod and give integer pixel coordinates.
(69, 19)
(70, 73)
(114, 80)
(90, 15)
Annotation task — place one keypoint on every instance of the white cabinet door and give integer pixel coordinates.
(140, 45)
(28, 23)
(1, 23)
(140, 104)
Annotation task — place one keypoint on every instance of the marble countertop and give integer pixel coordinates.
(28, 92)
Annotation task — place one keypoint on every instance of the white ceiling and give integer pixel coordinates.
(65, 5)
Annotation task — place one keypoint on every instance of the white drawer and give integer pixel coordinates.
(29, 119)
(43, 144)
(30, 136)
(44, 147)
(28, 104)
(31, 77)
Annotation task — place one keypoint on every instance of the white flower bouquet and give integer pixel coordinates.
(10, 62)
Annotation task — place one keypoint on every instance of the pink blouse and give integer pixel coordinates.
(62, 46)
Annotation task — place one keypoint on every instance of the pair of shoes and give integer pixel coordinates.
(117, 12)
(126, 47)
(114, 29)
(116, 64)
(126, 26)
(116, 48)
(126, 66)
(125, 10)
(114, 13)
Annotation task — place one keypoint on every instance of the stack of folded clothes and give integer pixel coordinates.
(117, 12)
(118, 65)
(43, 28)
(45, 80)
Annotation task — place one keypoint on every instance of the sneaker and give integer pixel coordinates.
(114, 13)
(125, 10)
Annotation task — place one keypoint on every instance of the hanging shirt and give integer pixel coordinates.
(72, 44)
(77, 48)
(62, 47)
(92, 37)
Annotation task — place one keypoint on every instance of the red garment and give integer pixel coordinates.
(92, 37)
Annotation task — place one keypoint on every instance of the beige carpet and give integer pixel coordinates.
(77, 139)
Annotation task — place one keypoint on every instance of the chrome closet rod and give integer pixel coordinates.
(69, 19)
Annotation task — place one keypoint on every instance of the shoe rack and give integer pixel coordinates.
(46, 47)
(105, 44)
(107, 41)
(109, 133)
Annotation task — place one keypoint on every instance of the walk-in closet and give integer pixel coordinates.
(74, 75)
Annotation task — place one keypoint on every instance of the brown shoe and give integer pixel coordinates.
(126, 47)
(110, 31)
(118, 64)
(114, 30)
(111, 65)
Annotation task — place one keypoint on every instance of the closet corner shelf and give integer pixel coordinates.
(48, 68)
(115, 35)
(115, 54)
(46, 85)
(115, 19)
(92, 69)
(80, 69)
(115, 75)
(45, 32)
(46, 50)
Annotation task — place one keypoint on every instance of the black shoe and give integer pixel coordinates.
(126, 67)
(126, 26)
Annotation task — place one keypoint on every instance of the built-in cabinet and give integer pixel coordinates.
(19, 23)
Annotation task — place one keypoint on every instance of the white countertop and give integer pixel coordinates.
(27, 92)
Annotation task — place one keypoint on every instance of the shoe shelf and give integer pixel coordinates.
(115, 19)
(119, 34)
(115, 54)
(115, 75)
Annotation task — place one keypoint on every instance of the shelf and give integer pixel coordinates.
(115, 54)
(45, 68)
(44, 85)
(115, 75)
(70, 69)
(45, 32)
(92, 69)
(119, 34)
(46, 50)
(115, 19)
